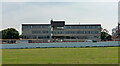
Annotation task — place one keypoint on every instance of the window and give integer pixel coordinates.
(36, 32)
(67, 32)
(78, 32)
(54, 32)
(90, 26)
(26, 26)
(45, 26)
(44, 31)
(35, 26)
(34, 37)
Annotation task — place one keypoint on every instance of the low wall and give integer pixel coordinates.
(59, 44)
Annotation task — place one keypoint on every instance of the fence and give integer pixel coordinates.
(60, 44)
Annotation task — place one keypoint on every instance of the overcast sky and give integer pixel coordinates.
(16, 13)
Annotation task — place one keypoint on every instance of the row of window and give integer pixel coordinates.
(82, 37)
(61, 37)
(76, 32)
(36, 37)
(67, 32)
(82, 27)
(37, 32)
(66, 27)
(36, 26)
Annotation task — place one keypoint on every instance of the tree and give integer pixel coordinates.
(104, 35)
(10, 33)
(20, 36)
(109, 37)
(0, 35)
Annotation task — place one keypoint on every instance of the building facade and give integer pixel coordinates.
(59, 31)
(116, 32)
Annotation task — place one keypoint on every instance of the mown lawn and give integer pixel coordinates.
(96, 55)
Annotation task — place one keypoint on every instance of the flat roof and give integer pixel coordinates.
(83, 25)
(65, 25)
(35, 24)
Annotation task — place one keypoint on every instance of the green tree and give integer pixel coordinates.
(10, 33)
(20, 36)
(105, 35)
(109, 37)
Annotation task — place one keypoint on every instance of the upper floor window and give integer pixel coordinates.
(37, 32)
(67, 27)
(82, 27)
(26, 26)
(35, 26)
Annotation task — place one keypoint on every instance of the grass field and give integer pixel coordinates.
(101, 55)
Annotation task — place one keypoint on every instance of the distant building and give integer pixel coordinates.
(116, 32)
(59, 31)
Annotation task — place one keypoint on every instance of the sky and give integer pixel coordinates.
(59, 0)
(15, 13)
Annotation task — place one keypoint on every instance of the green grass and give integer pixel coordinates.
(101, 55)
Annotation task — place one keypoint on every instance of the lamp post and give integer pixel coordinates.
(118, 31)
